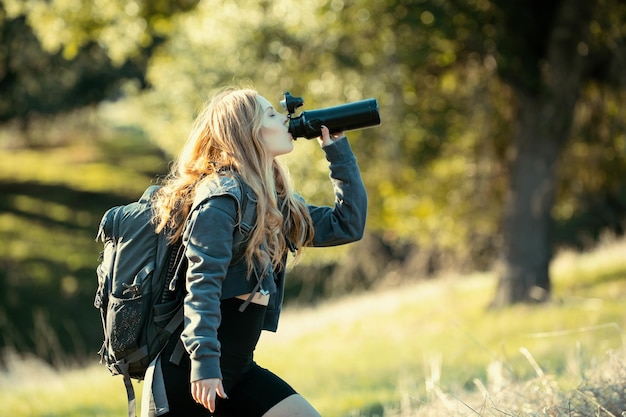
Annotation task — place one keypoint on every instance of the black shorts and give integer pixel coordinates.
(251, 390)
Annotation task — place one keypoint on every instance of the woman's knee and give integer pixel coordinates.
(293, 406)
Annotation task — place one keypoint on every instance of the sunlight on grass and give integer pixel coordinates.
(81, 169)
(50, 242)
(29, 387)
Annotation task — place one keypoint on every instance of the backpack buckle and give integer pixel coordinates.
(135, 289)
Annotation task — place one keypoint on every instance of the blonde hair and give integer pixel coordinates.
(227, 133)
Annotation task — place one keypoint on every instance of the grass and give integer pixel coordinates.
(29, 387)
(428, 348)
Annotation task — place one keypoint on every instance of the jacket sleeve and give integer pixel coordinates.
(345, 222)
(209, 251)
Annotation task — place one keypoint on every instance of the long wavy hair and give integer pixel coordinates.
(227, 134)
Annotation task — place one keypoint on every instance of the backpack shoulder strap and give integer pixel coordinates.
(148, 193)
(248, 210)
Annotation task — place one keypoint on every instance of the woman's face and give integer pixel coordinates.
(275, 133)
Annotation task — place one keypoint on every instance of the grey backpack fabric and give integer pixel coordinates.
(139, 302)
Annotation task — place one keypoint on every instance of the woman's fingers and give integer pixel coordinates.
(205, 391)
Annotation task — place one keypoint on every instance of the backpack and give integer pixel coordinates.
(139, 302)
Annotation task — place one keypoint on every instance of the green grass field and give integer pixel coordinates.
(429, 348)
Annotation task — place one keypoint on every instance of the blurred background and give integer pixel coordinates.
(503, 136)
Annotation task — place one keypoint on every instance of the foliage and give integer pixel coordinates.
(592, 195)
(62, 55)
(122, 28)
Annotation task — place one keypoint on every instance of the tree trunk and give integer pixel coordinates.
(527, 221)
(545, 120)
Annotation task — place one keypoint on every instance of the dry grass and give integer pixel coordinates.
(601, 392)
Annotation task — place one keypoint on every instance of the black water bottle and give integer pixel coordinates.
(350, 116)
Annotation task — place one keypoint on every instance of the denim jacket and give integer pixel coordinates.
(211, 274)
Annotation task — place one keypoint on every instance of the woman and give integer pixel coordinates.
(233, 292)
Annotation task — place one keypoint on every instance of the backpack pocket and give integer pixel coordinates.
(124, 321)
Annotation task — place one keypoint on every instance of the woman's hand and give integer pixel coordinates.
(326, 138)
(204, 392)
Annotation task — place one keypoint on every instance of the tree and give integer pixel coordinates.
(59, 56)
(546, 53)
